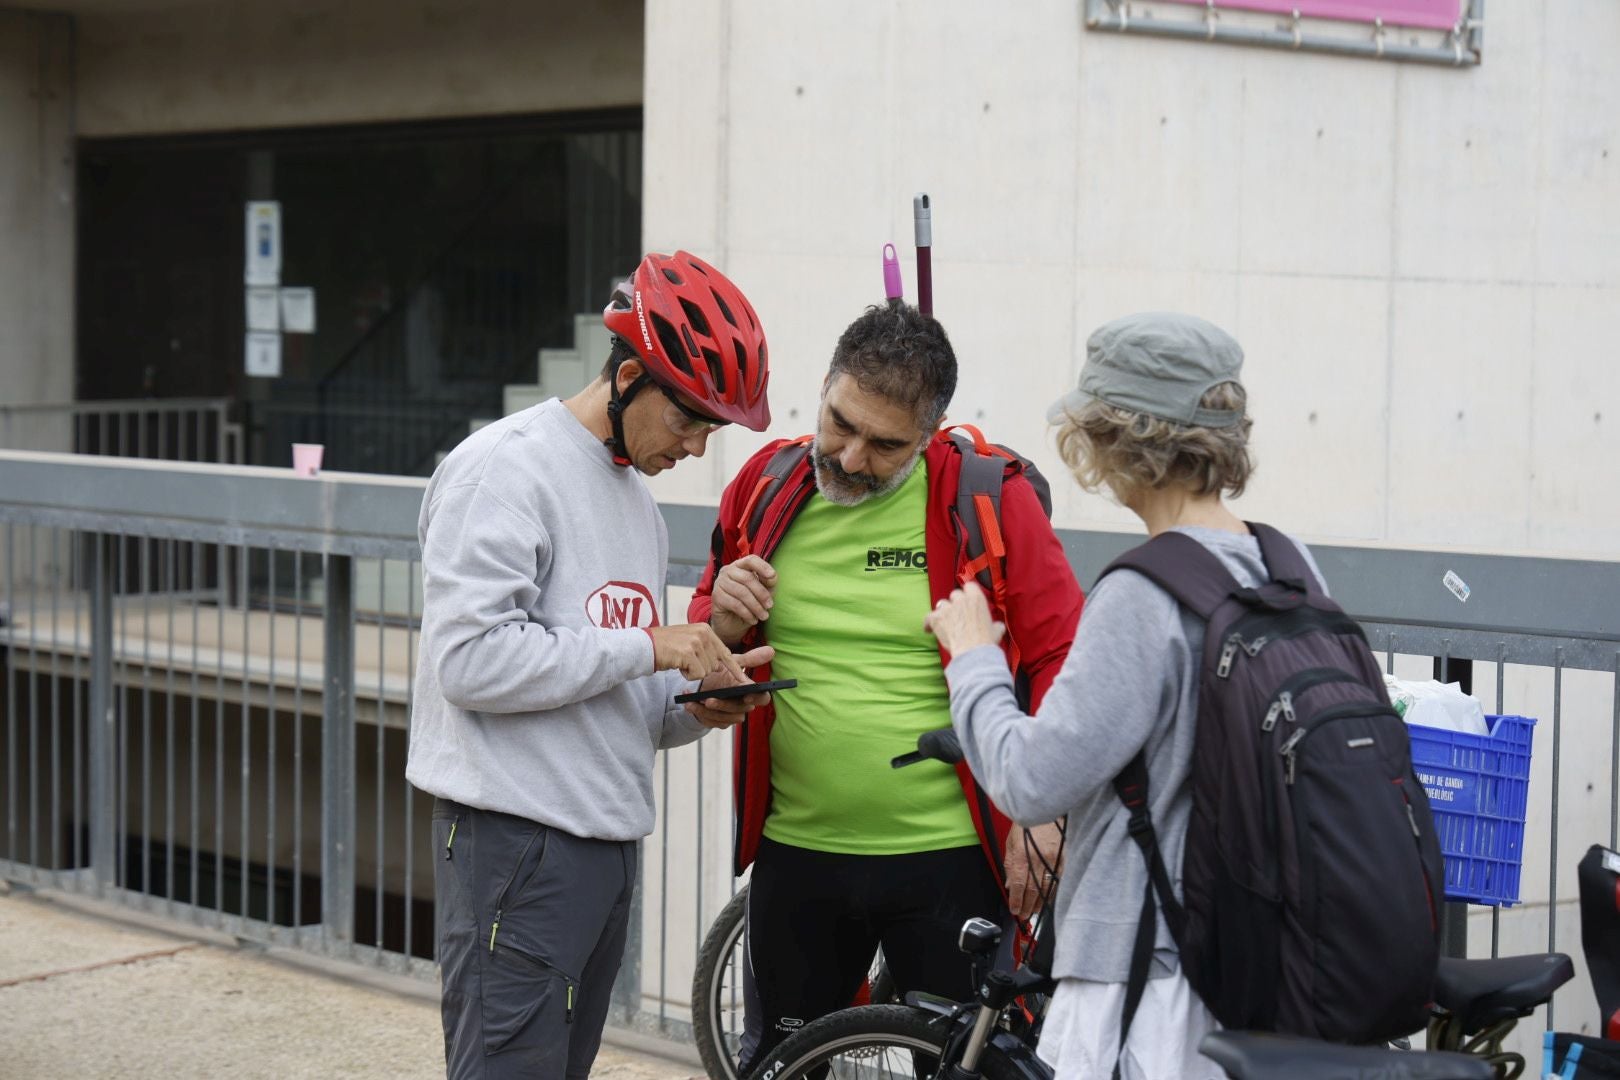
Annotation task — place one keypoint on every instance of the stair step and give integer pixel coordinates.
(563, 372)
(592, 341)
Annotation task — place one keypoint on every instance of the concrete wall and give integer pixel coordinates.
(1423, 263)
(36, 211)
(225, 66)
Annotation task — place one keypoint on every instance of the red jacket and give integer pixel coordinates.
(1043, 607)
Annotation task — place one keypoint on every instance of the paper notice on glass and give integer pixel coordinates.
(263, 311)
(298, 310)
(263, 243)
(263, 355)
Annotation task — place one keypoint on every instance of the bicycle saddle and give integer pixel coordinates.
(1252, 1055)
(1481, 992)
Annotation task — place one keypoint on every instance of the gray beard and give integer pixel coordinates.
(844, 488)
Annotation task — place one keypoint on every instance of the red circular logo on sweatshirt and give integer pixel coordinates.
(621, 605)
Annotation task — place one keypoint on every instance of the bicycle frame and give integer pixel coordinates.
(973, 1027)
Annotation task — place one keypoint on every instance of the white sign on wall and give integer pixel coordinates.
(263, 311)
(263, 243)
(263, 355)
(298, 310)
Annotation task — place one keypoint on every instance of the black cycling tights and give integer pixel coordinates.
(815, 919)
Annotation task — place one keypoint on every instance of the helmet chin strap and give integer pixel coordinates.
(616, 405)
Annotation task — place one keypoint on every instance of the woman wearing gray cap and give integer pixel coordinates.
(1159, 420)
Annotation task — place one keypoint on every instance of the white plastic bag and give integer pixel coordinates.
(1437, 705)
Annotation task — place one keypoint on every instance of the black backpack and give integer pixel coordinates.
(1312, 877)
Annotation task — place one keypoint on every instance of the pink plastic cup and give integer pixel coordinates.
(307, 458)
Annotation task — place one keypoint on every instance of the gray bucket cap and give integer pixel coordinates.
(1160, 363)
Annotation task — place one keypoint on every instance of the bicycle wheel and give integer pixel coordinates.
(878, 1042)
(718, 991)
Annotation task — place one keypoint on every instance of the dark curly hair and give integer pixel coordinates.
(903, 355)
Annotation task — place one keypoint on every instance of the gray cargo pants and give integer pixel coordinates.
(531, 927)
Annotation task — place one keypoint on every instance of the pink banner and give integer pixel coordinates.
(1432, 14)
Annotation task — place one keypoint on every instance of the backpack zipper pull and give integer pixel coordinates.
(1287, 752)
(1228, 654)
(1253, 648)
(1410, 816)
(1271, 716)
(1285, 701)
(569, 1017)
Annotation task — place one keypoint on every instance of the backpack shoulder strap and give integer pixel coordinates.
(978, 508)
(1182, 567)
(1283, 559)
(1131, 787)
(787, 458)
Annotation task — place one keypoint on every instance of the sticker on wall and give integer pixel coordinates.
(263, 355)
(263, 243)
(1459, 588)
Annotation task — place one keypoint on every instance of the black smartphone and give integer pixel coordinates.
(736, 691)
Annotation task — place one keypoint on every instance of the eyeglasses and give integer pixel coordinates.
(684, 421)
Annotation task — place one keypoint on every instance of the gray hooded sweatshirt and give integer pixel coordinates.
(542, 566)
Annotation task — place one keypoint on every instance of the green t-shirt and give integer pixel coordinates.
(851, 596)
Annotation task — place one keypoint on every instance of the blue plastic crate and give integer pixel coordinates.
(1478, 789)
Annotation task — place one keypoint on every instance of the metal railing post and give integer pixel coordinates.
(338, 755)
(103, 717)
(1454, 915)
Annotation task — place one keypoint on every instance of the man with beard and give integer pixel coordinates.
(834, 557)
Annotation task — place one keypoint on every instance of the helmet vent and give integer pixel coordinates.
(674, 278)
(691, 346)
(717, 372)
(695, 316)
(670, 339)
(725, 309)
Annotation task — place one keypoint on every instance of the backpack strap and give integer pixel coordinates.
(978, 510)
(1182, 567)
(1131, 785)
(1283, 559)
(787, 458)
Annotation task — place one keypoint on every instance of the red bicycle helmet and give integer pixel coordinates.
(696, 333)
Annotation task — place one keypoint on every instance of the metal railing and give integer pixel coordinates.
(168, 429)
(207, 690)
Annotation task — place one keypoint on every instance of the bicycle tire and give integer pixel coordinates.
(716, 1042)
(862, 1033)
(708, 987)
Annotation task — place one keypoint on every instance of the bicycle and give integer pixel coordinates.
(720, 991)
(719, 983)
(1478, 1003)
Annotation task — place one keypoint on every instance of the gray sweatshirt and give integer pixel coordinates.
(1130, 681)
(542, 563)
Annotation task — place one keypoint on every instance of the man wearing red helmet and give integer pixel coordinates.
(546, 677)
(834, 548)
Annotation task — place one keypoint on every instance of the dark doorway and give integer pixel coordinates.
(442, 257)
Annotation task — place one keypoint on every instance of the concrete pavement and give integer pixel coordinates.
(87, 996)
